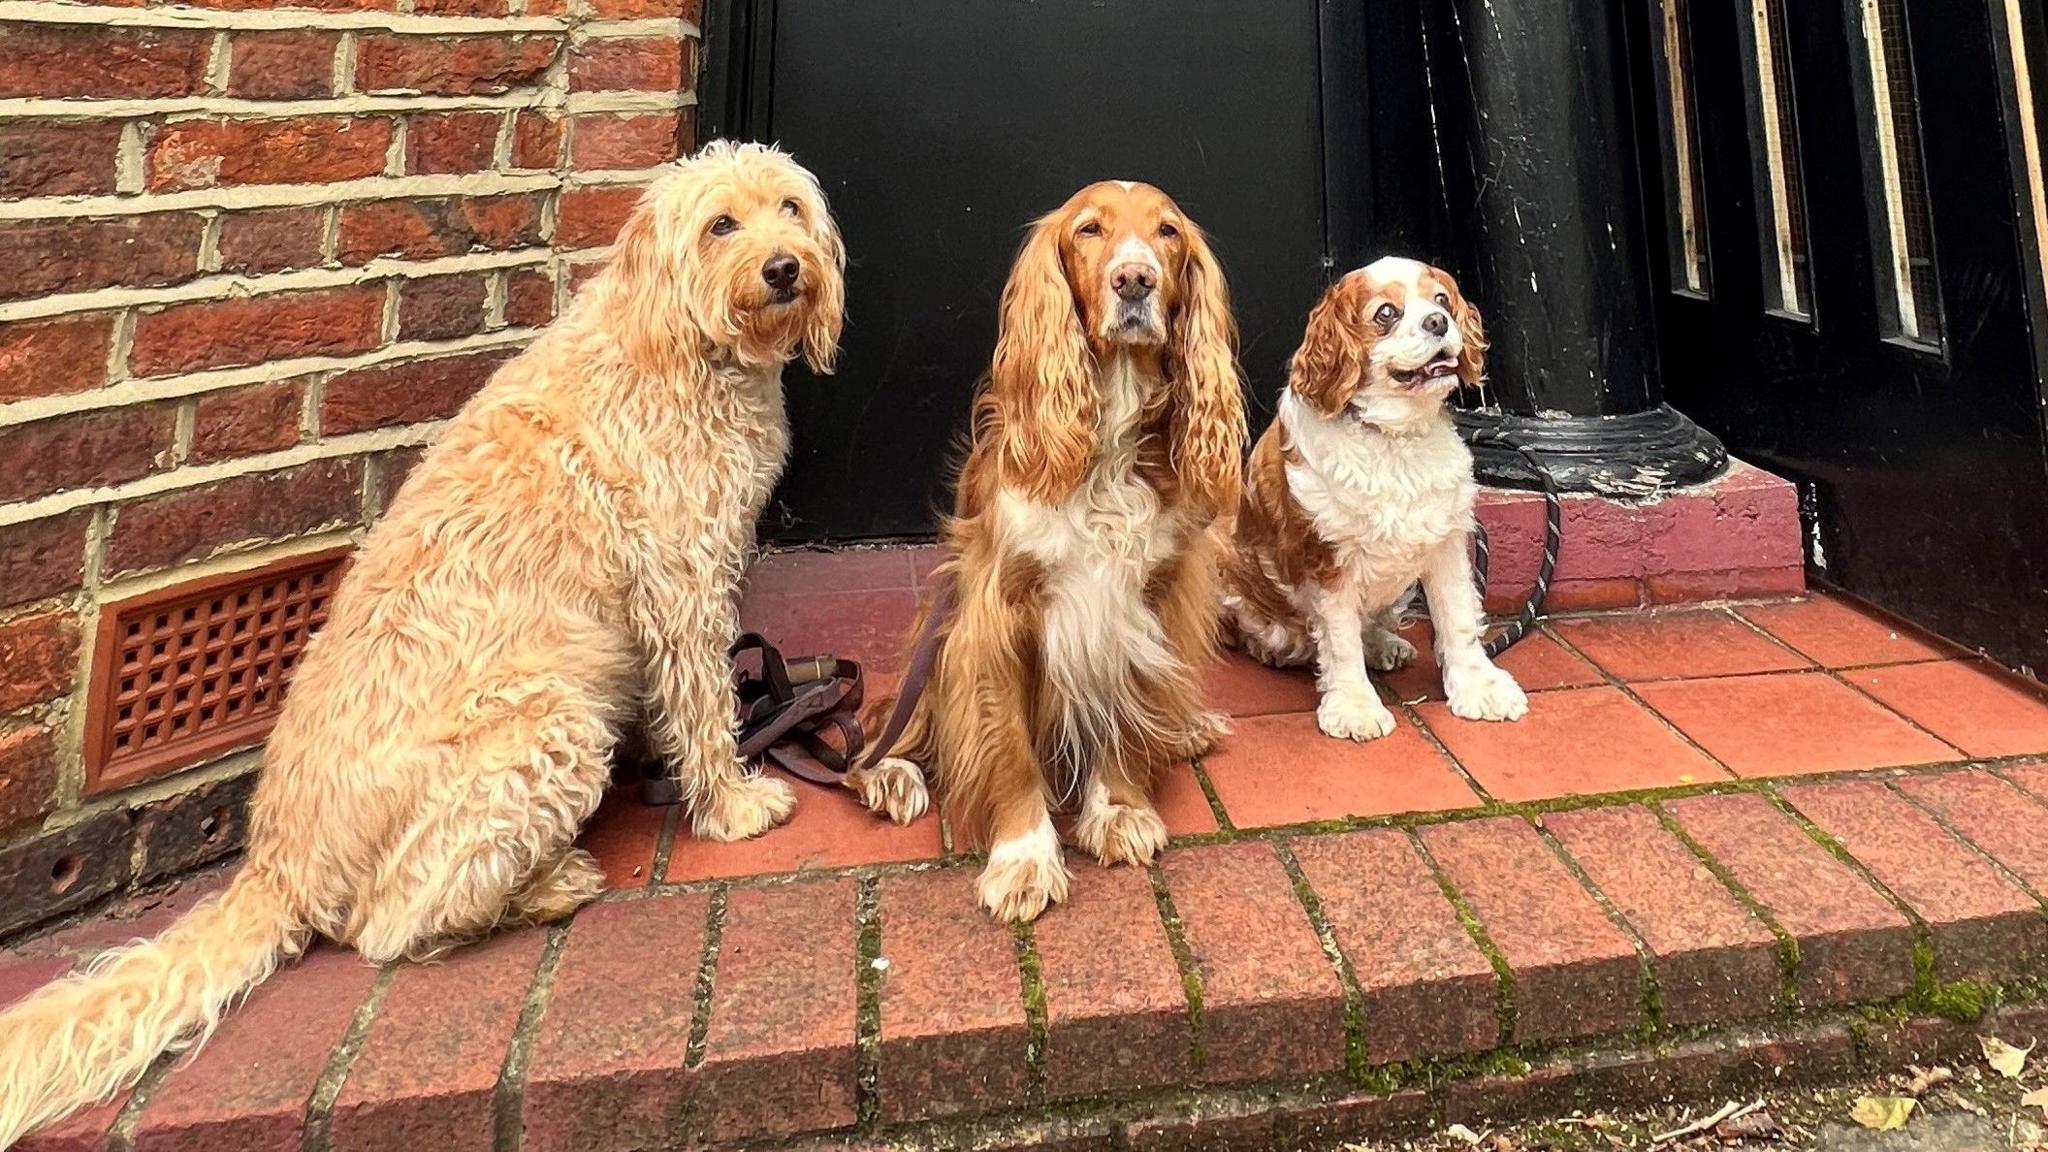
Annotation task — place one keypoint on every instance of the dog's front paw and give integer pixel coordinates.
(745, 807)
(1205, 731)
(1120, 833)
(894, 787)
(1353, 714)
(1485, 693)
(1385, 651)
(1023, 876)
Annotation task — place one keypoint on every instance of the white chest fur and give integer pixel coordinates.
(1098, 550)
(1383, 501)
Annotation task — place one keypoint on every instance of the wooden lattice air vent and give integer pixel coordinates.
(188, 672)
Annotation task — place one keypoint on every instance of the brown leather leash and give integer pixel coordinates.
(788, 709)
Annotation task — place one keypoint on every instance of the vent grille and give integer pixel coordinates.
(188, 672)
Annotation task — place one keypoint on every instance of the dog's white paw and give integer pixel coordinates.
(1385, 651)
(1120, 833)
(894, 787)
(1485, 693)
(1353, 713)
(1023, 875)
(746, 807)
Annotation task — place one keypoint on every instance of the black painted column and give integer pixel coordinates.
(1543, 214)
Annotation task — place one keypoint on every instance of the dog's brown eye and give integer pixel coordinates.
(724, 226)
(1091, 228)
(1443, 300)
(1168, 231)
(1387, 314)
(792, 207)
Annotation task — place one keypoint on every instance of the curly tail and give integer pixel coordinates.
(87, 1036)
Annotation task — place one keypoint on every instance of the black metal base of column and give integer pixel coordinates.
(1628, 457)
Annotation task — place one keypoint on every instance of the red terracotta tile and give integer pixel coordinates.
(1984, 926)
(21, 975)
(623, 836)
(829, 830)
(1238, 685)
(1116, 1016)
(1601, 595)
(1271, 1002)
(1791, 723)
(1671, 645)
(1573, 742)
(924, 559)
(1730, 584)
(1537, 663)
(1277, 770)
(804, 573)
(2032, 777)
(1182, 803)
(872, 627)
(1427, 988)
(1841, 633)
(1965, 703)
(1992, 814)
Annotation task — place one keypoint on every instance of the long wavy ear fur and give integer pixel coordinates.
(1330, 364)
(644, 284)
(828, 311)
(1472, 357)
(1209, 423)
(1043, 375)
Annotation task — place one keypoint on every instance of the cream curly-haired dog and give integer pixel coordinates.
(568, 549)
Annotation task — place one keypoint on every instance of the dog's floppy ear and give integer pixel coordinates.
(644, 281)
(828, 310)
(1043, 374)
(1209, 428)
(1330, 364)
(1472, 355)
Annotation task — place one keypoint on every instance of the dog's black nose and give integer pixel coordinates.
(1134, 281)
(781, 271)
(1436, 323)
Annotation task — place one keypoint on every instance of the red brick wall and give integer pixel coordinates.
(251, 255)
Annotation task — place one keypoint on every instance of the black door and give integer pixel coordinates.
(940, 128)
(1853, 297)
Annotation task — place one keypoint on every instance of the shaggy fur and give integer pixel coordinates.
(569, 550)
(1360, 488)
(1108, 434)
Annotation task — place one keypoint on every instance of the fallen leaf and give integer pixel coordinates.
(1925, 1078)
(1462, 1133)
(1882, 1113)
(1754, 1126)
(2004, 1059)
(1501, 1143)
(2038, 1098)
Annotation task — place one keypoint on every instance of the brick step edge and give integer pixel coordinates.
(1705, 1070)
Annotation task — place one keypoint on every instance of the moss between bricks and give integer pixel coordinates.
(868, 1000)
(1190, 971)
(1033, 987)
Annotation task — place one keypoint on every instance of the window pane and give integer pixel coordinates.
(1787, 284)
(1905, 239)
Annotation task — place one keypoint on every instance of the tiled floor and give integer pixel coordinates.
(1618, 703)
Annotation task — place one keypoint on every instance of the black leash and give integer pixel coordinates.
(1553, 531)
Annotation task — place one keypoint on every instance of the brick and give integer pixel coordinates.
(1736, 584)
(462, 7)
(633, 64)
(1204, 1126)
(689, 11)
(536, 139)
(1576, 974)
(58, 157)
(249, 330)
(271, 239)
(1853, 945)
(84, 1131)
(54, 357)
(282, 65)
(71, 255)
(1427, 988)
(582, 272)
(38, 655)
(394, 467)
(404, 393)
(1984, 926)
(1714, 960)
(247, 420)
(46, 876)
(317, 5)
(84, 450)
(1990, 813)
(1272, 1006)
(2032, 777)
(427, 1073)
(195, 827)
(246, 1090)
(441, 307)
(953, 1027)
(1116, 1018)
(28, 775)
(779, 1052)
(529, 297)
(452, 65)
(102, 61)
(606, 140)
(451, 141)
(42, 558)
(607, 1065)
(287, 150)
(162, 530)
(590, 216)
(424, 229)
